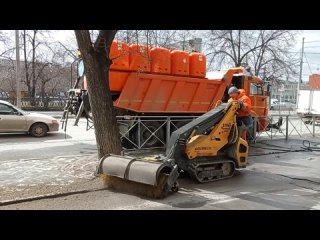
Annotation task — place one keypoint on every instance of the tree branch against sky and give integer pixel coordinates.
(267, 52)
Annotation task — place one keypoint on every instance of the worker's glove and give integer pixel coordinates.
(241, 105)
(218, 103)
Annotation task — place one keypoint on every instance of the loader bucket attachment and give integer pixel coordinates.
(155, 175)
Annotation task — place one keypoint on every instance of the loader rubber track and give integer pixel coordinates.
(208, 170)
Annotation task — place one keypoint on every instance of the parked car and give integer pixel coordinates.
(285, 105)
(13, 119)
(308, 106)
(273, 100)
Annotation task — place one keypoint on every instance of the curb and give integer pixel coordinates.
(48, 196)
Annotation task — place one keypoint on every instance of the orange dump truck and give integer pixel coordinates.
(147, 81)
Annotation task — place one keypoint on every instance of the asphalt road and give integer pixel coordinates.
(76, 140)
(248, 190)
(276, 181)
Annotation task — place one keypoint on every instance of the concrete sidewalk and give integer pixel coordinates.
(277, 181)
(32, 178)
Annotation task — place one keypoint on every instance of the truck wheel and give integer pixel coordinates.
(38, 130)
(145, 134)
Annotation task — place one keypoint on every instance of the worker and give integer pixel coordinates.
(245, 106)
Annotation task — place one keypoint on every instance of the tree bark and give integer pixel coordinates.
(26, 62)
(97, 64)
(33, 89)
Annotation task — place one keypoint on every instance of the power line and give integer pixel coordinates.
(314, 63)
(306, 52)
(307, 63)
(312, 41)
(300, 52)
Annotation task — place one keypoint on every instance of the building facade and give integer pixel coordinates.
(284, 91)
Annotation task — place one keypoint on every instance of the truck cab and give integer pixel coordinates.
(254, 89)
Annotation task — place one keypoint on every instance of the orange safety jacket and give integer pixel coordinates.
(246, 102)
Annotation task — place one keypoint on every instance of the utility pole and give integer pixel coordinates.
(301, 65)
(18, 93)
(301, 61)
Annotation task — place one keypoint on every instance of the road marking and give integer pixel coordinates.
(224, 201)
(316, 207)
(214, 196)
(305, 190)
(144, 205)
(244, 193)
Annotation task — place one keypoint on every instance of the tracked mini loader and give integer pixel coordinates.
(208, 148)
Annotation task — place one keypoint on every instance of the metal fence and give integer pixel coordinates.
(139, 128)
(292, 126)
(133, 129)
(39, 104)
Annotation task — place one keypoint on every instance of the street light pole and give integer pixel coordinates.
(300, 77)
(18, 93)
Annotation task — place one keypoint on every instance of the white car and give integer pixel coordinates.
(273, 101)
(14, 120)
(285, 105)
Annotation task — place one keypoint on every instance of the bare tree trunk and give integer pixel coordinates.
(26, 62)
(127, 36)
(97, 63)
(43, 95)
(33, 89)
(239, 49)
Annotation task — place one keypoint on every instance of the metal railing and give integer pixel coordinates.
(38, 103)
(292, 126)
(135, 126)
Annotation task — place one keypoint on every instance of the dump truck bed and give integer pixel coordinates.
(159, 93)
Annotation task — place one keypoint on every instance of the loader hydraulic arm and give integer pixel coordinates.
(202, 144)
(221, 117)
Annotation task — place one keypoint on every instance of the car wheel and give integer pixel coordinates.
(38, 130)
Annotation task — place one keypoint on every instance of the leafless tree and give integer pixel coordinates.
(7, 63)
(33, 47)
(6, 44)
(157, 38)
(267, 52)
(7, 75)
